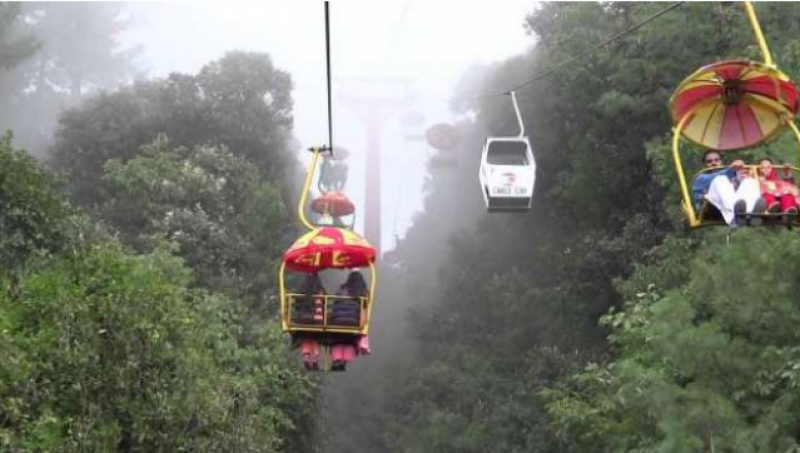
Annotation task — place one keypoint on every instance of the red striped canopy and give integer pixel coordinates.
(734, 104)
(335, 204)
(329, 248)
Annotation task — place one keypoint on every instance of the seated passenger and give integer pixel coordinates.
(310, 303)
(309, 309)
(348, 312)
(779, 191)
(732, 192)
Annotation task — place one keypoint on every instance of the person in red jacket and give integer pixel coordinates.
(779, 190)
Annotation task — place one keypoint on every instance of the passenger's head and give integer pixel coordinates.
(766, 165)
(313, 284)
(355, 284)
(712, 158)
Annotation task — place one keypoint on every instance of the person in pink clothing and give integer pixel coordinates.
(348, 312)
(779, 191)
(309, 309)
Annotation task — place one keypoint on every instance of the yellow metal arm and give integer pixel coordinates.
(301, 207)
(762, 42)
(372, 284)
(676, 156)
(284, 299)
(796, 133)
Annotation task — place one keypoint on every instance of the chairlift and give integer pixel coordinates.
(728, 106)
(508, 170)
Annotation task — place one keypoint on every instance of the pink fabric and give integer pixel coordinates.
(343, 352)
(688, 99)
(788, 202)
(363, 345)
(739, 128)
(319, 310)
(784, 191)
(310, 350)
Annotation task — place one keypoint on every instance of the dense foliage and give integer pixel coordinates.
(594, 323)
(240, 101)
(146, 323)
(107, 351)
(510, 312)
(227, 221)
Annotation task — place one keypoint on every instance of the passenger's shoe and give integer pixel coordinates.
(740, 208)
(338, 365)
(774, 208)
(759, 208)
(740, 212)
(790, 216)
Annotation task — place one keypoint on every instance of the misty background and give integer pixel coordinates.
(417, 54)
(417, 51)
(139, 308)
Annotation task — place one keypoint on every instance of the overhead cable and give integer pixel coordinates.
(588, 53)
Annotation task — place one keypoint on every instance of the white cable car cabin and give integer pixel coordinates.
(508, 171)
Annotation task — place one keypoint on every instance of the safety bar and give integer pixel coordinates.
(752, 172)
(320, 315)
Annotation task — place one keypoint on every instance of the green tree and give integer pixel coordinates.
(33, 213)
(14, 46)
(509, 287)
(228, 222)
(241, 102)
(106, 351)
(708, 363)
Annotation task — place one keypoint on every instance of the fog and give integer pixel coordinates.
(413, 55)
(419, 50)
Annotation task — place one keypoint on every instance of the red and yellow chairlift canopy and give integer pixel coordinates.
(329, 248)
(734, 104)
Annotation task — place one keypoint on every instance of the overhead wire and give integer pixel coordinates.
(555, 69)
(582, 56)
(328, 65)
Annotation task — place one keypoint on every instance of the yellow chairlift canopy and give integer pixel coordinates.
(735, 104)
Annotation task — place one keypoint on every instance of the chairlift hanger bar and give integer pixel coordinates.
(328, 60)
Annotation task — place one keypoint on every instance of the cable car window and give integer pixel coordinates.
(507, 153)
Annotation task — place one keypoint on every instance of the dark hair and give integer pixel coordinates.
(313, 285)
(355, 285)
(710, 151)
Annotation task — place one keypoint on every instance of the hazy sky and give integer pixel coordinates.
(428, 43)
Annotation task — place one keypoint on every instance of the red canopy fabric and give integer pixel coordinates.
(734, 104)
(329, 248)
(334, 203)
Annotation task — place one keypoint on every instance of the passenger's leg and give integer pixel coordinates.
(363, 345)
(789, 208)
(788, 202)
(336, 352)
(749, 190)
(348, 352)
(722, 195)
(773, 205)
